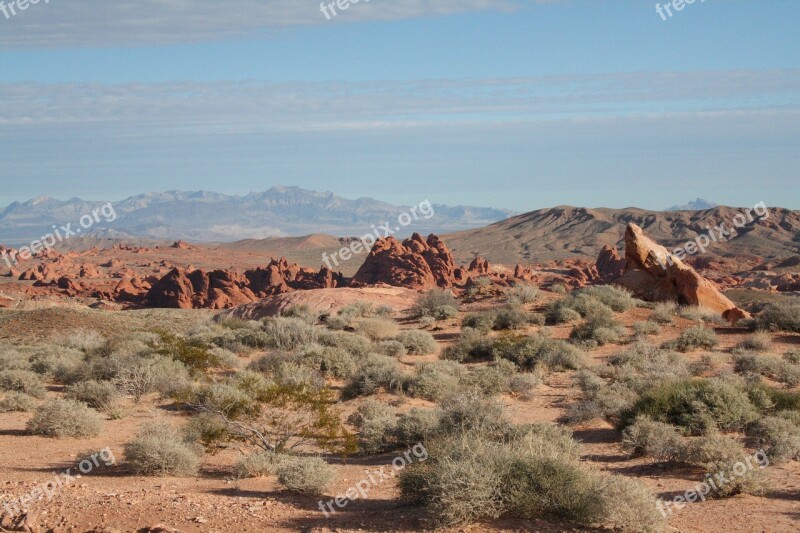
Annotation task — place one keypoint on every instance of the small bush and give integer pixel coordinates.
(96, 394)
(329, 361)
(523, 385)
(664, 313)
(483, 322)
(288, 333)
(492, 379)
(302, 311)
(598, 329)
(445, 312)
(256, 465)
(17, 402)
(378, 329)
(392, 348)
(696, 338)
(417, 342)
(415, 426)
(434, 381)
(792, 357)
(305, 475)
(777, 369)
(656, 440)
(779, 436)
(376, 371)
(522, 294)
(471, 345)
(646, 328)
(375, 422)
(158, 450)
(617, 298)
(757, 342)
(65, 418)
(510, 317)
(207, 429)
(530, 352)
(784, 316)
(23, 381)
(718, 454)
(428, 303)
(355, 345)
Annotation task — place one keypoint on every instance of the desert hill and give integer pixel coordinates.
(567, 232)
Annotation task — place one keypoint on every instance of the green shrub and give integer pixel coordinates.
(469, 410)
(65, 418)
(664, 313)
(483, 321)
(207, 429)
(17, 402)
(288, 333)
(617, 298)
(530, 352)
(656, 440)
(471, 345)
(433, 381)
(415, 426)
(792, 357)
(522, 294)
(492, 379)
(777, 369)
(445, 312)
(646, 328)
(433, 302)
(417, 342)
(305, 475)
(302, 311)
(329, 361)
(699, 406)
(256, 465)
(100, 395)
(523, 385)
(696, 338)
(718, 454)
(783, 316)
(563, 315)
(376, 371)
(778, 436)
(510, 317)
(757, 342)
(375, 422)
(23, 381)
(391, 348)
(11, 359)
(355, 345)
(62, 364)
(158, 450)
(599, 328)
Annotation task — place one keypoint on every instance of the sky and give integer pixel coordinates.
(518, 104)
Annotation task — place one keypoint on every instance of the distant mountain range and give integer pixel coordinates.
(695, 205)
(213, 217)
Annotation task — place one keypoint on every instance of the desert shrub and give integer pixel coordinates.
(656, 440)
(376, 371)
(558, 288)
(646, 328)
(83, 340)
(522, 294)
(643, 366)
(664, 312)
(708, 363)
(792, 357)
(415, 426)
(445, 312)
(391, 348)
(427, 321)
(777, 369)
(138, 377)
(207, 429)
(523, 385)
(433, 381)
(242, 339)
(65, 418)
(698, 314)
(471, 345)
(696, 338)
(256, 465)
(158, 450)
(64, 365)
(470, 410)
(288, 333)
(483, 321)
(601, 399)
(356, 345)
(563, 315)
(417, 342)
(17, 402)
(492, 379)
(359, 309)
(718, 454)
(297, 375)
(329, 361)
(195, 355)
(524, 474)
(699, 406)
(510, 317)
(435, 303)
(778, 436)
(757, 342)
(11, 359)
(100, 395)
(599, 328)
(375, 422)
(783, 316)
(23, 381)
(302, 311)
(535, 350)
(226, 399)
(305, 475)
(617, 298)
(378, 329)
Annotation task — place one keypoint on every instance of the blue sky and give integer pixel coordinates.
(511, 103)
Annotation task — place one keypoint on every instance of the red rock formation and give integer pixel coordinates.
(609, 264)
(181, 245)
(655, 275)
(415, 263)
(479, 266)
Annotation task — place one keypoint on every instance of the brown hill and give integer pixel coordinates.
(569, 232)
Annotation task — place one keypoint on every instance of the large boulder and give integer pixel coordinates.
(653, 274)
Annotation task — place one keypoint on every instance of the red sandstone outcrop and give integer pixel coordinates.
(653, 274)
(610, 265)
(181, 245)
(416, 263)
